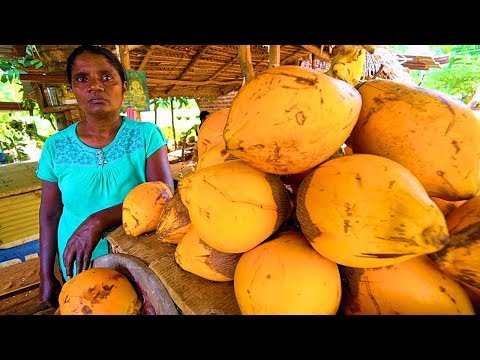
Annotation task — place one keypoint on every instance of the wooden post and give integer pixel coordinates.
(245, 57)
(125, 60)
(62, 121)
(273, 56)
(173, 124)
(125, 56)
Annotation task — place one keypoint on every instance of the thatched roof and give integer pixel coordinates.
(385, 64)
(197, 71)
(210, 71)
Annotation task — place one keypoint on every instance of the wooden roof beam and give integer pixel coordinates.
(193, 61)
(165, 48)
(157, 81)
(315, 50)
(223, 68)
(264, 58)
(19, 51)
(288, 60)
(133, 47)
(43, 78)
(145, 58)
(189, 66)
(229, 88)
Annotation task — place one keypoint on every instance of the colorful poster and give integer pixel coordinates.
(137, 93)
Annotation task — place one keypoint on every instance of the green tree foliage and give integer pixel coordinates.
(11, 92)
(17, 128)
(172, 103)
(15, 134)
(167, 103)
(11, 69)
(460, 78)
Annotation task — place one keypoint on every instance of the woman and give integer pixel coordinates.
(88, 168)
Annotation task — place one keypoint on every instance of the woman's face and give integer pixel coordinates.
(97, 85)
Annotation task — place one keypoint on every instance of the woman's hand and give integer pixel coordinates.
(81, 244)
(49, 291)
(83, 241)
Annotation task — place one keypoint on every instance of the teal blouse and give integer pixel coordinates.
(92, 179)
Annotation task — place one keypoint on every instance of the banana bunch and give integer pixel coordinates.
(348, 62)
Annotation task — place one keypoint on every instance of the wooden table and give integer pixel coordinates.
(180, 169)
(192, 294)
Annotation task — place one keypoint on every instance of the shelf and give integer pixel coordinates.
(11, 106)
(56, 109)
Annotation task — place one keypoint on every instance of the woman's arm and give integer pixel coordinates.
(83, 241)
(51, 209)
(158, 167)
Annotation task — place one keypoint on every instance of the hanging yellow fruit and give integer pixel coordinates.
(347, 63)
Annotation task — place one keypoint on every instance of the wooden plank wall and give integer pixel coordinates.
(20, 193)
(18, 178)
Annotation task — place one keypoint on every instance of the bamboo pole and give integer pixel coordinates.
(124, 56)
(273, 56)
(245, 57)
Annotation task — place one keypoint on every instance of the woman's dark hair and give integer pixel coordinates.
(95, 49)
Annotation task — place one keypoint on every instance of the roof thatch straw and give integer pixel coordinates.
(385, 64)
